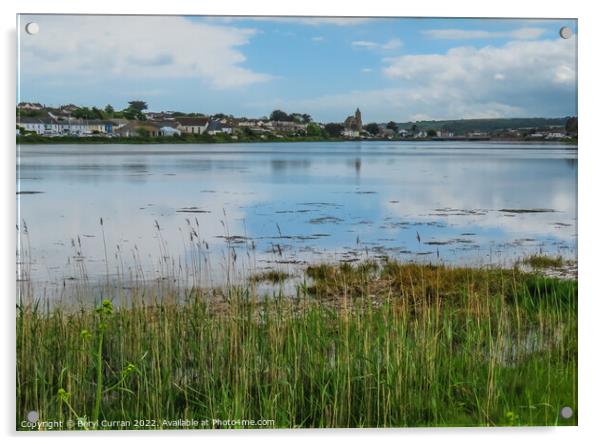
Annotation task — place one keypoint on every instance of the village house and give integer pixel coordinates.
(32, 124)
(119, 122)
(445, 134)
(30, 106)
(216, 126)
(192, 125)
(386, 133)
(555, 135)
(100, 126)
(477, 134)
(58, 114)
(67, 127)
(158, 116)
(248, 123)
(286, 126)
(64, 124)
(69, 108)
(51, 126)
(138, 128)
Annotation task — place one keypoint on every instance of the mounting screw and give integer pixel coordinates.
(33, 416)
(32, 28)
(566, 412)
(565, 32)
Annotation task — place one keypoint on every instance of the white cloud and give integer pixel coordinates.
(410, 104)
(138, 47)
(421, 117)
(337, 21)
(521, 78)
(364, 44)
(390, 45)
(541, 61)
(317, 39)
(311, 21)
(367, 70)
(467, 34)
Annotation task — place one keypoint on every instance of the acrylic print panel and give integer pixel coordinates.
(277, 222)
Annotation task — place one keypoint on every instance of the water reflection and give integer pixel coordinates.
(291, 203)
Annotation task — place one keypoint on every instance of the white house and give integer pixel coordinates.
(34, 124)
(556, 135)
(192, 125)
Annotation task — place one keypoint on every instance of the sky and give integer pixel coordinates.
(401, 69)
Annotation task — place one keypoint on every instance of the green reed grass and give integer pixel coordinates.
(544, 261)
(371, 345)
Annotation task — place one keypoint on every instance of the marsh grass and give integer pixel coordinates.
(544, 261)
(370, 345)
(270, 276)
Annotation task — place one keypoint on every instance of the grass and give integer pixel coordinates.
(544, 262)
(270, 276)
(369, 345)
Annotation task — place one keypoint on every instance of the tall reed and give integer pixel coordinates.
(383, 345)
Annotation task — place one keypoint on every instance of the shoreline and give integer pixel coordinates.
(271, 281)
(101, 140)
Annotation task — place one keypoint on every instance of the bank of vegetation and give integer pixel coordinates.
(369, 345)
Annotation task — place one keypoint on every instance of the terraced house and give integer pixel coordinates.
(51, 126)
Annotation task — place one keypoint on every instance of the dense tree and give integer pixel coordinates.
(279, 115)
(131, 114)
(30, 113)
(314, 130)
(109, 110)
(97, 112)
(134, 110)
(296, 117)
(333, 129)
(138, 105)
(431, 133)
(87, 113)
(392, 126)
(372, 128)
(222, 116)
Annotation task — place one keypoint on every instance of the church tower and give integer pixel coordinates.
(358, 119)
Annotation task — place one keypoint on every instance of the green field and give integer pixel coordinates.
(370, 345)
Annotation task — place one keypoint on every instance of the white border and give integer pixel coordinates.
(589, 202)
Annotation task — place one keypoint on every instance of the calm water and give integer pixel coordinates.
(230, 209)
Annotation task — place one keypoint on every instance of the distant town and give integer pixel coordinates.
(37, 122)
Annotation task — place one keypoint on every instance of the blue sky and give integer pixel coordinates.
(392, 69)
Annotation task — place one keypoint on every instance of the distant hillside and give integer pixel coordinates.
(467, 125)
